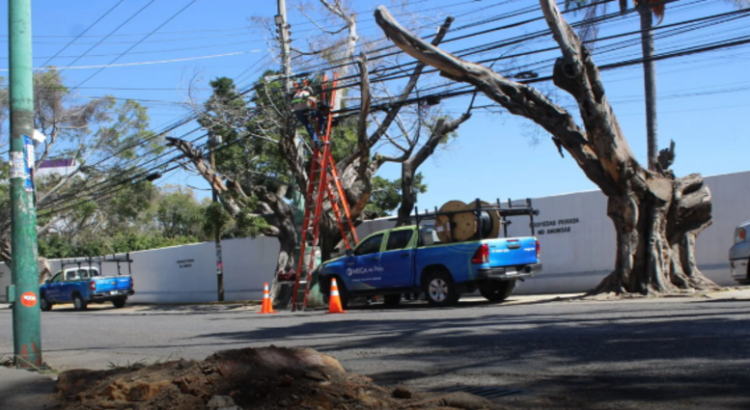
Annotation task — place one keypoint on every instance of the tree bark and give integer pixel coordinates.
(280, 215)
(649, 82)
(656, 217)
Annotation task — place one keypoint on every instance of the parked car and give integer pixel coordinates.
(411, 259)
(739, 254)
(83, 285)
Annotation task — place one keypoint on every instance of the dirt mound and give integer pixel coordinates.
(266, 379)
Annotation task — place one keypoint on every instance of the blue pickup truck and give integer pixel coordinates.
(412, 259)
(83, 285)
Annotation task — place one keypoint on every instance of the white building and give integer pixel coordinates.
(62, 167)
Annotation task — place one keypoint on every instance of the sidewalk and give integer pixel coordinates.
(25, 390)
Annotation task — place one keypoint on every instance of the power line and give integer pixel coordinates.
(686, 51)
(213, 46)
(605, 67)
(468, 89)
(83, 32)
(141, 34)
(139, 63)
(112, 188)
(139, 41)
(346, 61)
(243, 92)
(111, 32)
(166, 40)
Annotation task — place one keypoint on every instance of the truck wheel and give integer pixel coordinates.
(44, 304)
(392, 300)
(440, 289)
(119, 302)
(78, 302)
(497, 291)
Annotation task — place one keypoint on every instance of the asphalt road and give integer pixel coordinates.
(662, 354)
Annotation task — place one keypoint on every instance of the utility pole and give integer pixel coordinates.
(298, 199)
(286, 63)
(649, 82)
(298, 196)
(213, 142)
(27, 340)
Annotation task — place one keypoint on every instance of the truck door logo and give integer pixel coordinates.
(363, 270)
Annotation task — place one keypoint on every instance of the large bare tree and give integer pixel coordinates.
(656, 215)
(357, 159)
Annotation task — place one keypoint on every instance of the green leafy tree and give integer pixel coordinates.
(140, 217)
(387, 195)
(179, 214)
(104, 138)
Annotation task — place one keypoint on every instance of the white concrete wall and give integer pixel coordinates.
(576, 260)
(577, 252)
(578, 239)
(184, 274)
(188, 273)
(4, 281)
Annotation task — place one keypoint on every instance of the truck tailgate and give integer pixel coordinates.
(511, 252)
(109, 284)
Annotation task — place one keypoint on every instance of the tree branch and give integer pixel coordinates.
(442, 128)
(517, 98)
(364, 149)
(209, 174)
(408, 88)
(321, 28)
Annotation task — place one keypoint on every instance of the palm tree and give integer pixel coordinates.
(647, 10)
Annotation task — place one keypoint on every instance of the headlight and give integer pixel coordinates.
(739, 235)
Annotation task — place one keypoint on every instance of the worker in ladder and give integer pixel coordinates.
(305, 105)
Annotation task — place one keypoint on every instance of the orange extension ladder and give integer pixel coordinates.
(323, 180)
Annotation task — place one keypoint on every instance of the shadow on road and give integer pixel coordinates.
(695, 356)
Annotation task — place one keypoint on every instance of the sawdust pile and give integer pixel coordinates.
(265, 379)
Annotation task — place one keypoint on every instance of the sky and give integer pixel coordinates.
(703, 100)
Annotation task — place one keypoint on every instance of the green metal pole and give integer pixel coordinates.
(27, 340)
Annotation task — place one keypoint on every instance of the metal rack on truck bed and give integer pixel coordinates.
(482, 212)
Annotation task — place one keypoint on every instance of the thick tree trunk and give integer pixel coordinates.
(356, 184)
(656, 240)
(656, 217)
(280, 214)
(408, 196)
(281, 292)
(649, 82)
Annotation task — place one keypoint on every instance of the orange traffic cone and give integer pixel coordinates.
(334, 303)
(267, 306)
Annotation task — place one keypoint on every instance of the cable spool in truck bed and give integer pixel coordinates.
(462, 226)
(443, 223)
(490, 221)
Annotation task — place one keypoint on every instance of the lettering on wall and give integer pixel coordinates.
(555, 226)
(185, 263)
